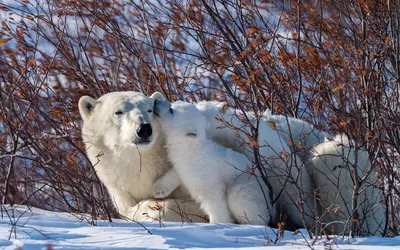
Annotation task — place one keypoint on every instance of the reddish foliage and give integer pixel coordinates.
(332, 63)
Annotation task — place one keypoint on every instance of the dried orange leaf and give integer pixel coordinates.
(31, 60)
(272, 124)
(4, 40)
(251, 31)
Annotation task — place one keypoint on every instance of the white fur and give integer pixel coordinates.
(319, 154)
(298, 134)
(216, 177)
(126, 166)
(129, 170)
(271, 148)
(333, 161)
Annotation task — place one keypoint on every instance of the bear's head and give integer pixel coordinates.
(212, 109)
(120, 119)
(181, 119)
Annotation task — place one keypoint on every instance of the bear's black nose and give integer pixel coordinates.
(144, 131)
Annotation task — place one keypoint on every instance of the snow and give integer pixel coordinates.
(37, 229)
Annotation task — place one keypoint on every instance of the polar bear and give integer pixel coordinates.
(126, 146)
(286, 172)
(220, 179)
(332, 163)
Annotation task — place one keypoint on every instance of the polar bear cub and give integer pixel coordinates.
(218, 178)
(289, 177)
(332, 163)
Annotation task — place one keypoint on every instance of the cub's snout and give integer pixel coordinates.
(161, 108)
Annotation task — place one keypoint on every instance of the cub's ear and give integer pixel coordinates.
(223, 107)
(86, 105)
(157, 95)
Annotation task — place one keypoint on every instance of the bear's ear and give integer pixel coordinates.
(86, 105)
(223, 107)
(157, 95)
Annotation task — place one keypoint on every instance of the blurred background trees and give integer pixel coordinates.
(333, 63)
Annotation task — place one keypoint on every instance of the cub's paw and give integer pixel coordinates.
(162, 188)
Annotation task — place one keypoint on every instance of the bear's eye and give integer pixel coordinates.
(119, 112)
(171, 110)
(149, 110)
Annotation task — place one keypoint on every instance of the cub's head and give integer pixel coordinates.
(120, 119)
(181, 119)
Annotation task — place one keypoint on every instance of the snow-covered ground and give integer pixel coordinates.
(37, 229)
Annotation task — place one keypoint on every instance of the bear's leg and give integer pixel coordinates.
(177, 210)
(215, 206)
(248, 204)
(166, 184)
(371, 211)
